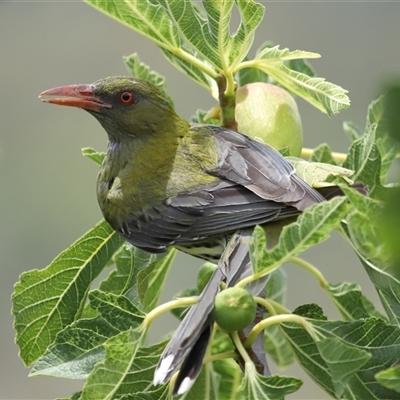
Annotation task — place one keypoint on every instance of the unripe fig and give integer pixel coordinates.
(204, 275)
(269, 113)
(234, 309)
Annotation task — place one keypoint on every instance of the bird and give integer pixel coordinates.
(165, 182)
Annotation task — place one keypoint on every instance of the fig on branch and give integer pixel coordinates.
(269, 113)
(204, 275)
(234, 309)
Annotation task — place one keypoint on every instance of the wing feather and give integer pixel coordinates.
(256, 185)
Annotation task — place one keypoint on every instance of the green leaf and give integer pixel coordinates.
(123, 277)
(316, 174)
(96, 156)
(154, 22)
(75, 396)
(151, 279)
(365, 239)
(257, 247)
(343, 362)
(373, 336)
(191, 70)
(323, 154)
(145, 17)
(251, 15)
(80, 345)
(128, 368)
(311, 227)
(275, 343)
(387, 147)
(76, 350)
(352, 131)
(276, 55)
(160, 393)
(301, 65)
(138, 69)
(200, 118)
(258, 387)
(129, 261)
(276, 287)
(230, 375)
(141, 371)
(251, 75)
(387, 285)
(197, 30)
(360, 226)
(209, 33)
(364, 158)
(390, 378)
(117, 310)
(46, 301)
(388, 222)
(325, 96)
(277, 347)
(351, 303)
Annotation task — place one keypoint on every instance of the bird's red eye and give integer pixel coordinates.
(126, 97)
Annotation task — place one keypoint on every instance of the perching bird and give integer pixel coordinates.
(165, 182)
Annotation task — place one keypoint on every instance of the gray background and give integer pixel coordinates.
(48, 189)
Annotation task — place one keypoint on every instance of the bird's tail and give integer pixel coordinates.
(190, 341)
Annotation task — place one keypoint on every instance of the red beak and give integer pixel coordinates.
(74, 96)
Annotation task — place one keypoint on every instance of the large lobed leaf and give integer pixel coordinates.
(387, 147)
(347, 355)
(313, 226)
(362, 231)
(325, 96)
(198, 43)
(46, 301)
(79, 346)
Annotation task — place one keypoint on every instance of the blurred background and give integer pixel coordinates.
(48, 198)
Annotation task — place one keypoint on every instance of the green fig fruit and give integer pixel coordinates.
(234, 309)
(268, 112)
(204, 275)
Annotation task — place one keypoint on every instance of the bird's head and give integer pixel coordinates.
(126, 107)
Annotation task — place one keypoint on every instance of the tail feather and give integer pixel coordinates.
(189, 343)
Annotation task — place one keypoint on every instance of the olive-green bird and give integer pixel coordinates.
(165, 182)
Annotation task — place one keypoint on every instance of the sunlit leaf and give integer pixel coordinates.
(325, 96)
(96, 156)
(390, 378)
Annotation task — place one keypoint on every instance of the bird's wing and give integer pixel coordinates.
(193, 217)
(256, 185)
(260, 169)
